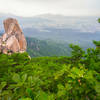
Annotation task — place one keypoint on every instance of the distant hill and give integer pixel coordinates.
(38, 47)
(58, 27)
(67, 29)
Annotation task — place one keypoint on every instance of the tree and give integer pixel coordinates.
(77, 53)
(99, 20)
(97, 44)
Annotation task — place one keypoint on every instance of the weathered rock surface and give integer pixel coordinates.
(12, 40)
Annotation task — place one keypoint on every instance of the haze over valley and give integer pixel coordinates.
(71, 29)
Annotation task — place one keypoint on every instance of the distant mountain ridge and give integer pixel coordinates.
(84, 24)
(36, 48)
(59, 28)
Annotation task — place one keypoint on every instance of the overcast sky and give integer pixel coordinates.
(36, 7)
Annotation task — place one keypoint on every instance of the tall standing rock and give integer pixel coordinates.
(12, 40)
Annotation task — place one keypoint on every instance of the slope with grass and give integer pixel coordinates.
(51, 78)
(37, 48)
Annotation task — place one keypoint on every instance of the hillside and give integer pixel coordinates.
(51, 78)
(59, 28)
(37, 48)
(49, 49)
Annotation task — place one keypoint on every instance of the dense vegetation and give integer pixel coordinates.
(38, 48)
(51, 78)
(41, 48)
(99, 20)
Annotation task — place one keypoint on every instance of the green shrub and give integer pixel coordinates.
(51, 78)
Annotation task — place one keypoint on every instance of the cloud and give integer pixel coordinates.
(65, 7)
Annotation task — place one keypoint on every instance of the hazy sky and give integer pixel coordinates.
(37, 7)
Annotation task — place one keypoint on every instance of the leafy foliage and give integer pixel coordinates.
(38, 48)
(97, 43)
(51, 78)
(99, 20)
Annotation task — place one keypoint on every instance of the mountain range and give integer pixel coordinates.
(69, 29)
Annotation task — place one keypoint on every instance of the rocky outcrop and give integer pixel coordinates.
(12, 40)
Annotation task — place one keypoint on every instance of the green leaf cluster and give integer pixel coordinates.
(51, 78)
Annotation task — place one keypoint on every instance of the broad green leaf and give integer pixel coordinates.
(25, 99)
(30, 79)
(16, 77)
(43, 96)
(24, 77)
(2, 85)
(99, 20)
(60, 86)
(30, 93)
(97, 87)
(68, 87)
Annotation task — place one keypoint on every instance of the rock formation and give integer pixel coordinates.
(13, 40)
